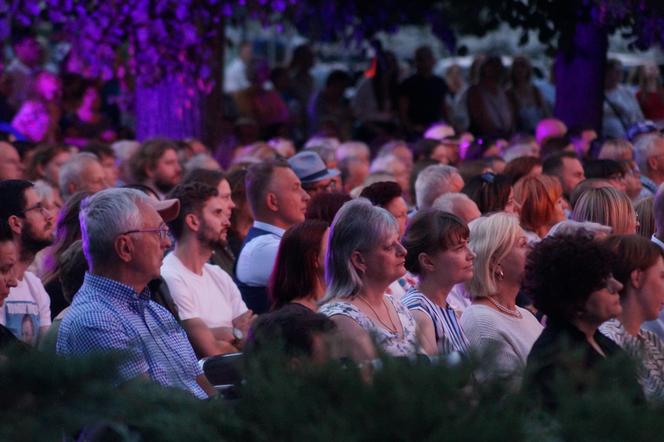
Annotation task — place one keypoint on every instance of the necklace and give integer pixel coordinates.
(501, 308)
(393, 328)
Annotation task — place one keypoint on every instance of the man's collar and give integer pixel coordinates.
(657, 241)
(269, 228)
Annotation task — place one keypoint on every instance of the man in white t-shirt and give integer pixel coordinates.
(27, 309)
(209, 303)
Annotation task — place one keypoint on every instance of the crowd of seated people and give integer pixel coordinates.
(377, 227)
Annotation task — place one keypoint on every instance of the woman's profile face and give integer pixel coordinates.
(650, 293)
(385, 263)
(604, 304)
(514, 263)
(456, 263)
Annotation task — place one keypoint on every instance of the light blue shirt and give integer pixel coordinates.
(256, 260)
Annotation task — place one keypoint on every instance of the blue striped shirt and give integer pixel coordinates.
(107, 315)
(449, 335)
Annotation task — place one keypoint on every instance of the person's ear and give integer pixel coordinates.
(636, 278)
(652, 163)
(15, 224)
(124, 248)
(425, 262)
(357, 260)
(272, 202)
(71, 188)
(192, 222)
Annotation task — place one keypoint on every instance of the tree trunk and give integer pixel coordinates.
(579, 72)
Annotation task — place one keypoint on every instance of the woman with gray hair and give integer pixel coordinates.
(364, 257)
(493, 322)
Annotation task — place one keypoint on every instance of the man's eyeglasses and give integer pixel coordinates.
(329, 187)
(162, 231)
(39, 206)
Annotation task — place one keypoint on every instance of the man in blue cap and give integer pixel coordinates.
(313, 174)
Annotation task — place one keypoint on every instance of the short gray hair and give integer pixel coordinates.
(104, 216)
(359, 225)
(71, 171)
(432, 182)
(644, 148)
(449, 202)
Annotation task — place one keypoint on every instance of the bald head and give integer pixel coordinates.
(458, 204)
(548, 128)
(11, 167)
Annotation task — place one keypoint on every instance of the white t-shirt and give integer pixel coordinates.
(212, 296)
(27, 309)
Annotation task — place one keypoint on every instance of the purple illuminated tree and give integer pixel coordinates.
(174, 48)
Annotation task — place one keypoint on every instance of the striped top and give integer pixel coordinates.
(449, 335)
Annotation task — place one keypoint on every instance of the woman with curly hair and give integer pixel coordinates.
(569, 279)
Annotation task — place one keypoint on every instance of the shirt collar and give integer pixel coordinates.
(269, 228)
(117, 291)
(657, 241)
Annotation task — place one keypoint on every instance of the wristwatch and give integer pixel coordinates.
(238, 335)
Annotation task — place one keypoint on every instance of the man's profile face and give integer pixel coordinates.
(149, 246)
(93, 178)
(11, 167)
(38, 223)
(571, 174)
(291, 197)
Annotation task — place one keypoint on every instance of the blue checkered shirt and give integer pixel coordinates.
(107, 315)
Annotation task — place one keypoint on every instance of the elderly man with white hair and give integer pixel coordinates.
(458, 204)
(392, 165)
(649, 155)
(82, 172)
(124, 238)
(434, 181)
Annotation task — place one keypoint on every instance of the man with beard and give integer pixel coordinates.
(31, 226)
(155, 164)
(209, 303)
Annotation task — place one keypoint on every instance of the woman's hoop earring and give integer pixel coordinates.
(500, 275)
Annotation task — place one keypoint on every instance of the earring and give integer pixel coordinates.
(500, 275)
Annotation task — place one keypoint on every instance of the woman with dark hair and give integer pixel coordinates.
(491, 193)
(437, 251)
(569, 279)
(640, 269)
(609, 170)
(67, 230)
(297, 278)
(523, 166)
(325, 206)
(388, 195)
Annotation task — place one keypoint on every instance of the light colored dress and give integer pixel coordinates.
(647, 349)
(391, 343)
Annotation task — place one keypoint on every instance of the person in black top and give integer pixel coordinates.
(422, 95)
(570, 280)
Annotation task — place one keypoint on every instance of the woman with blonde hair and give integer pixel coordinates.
(607, 206)
(364, 256)
(541, 200)
(493, 322)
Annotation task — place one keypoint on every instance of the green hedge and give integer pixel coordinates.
(49, 398)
